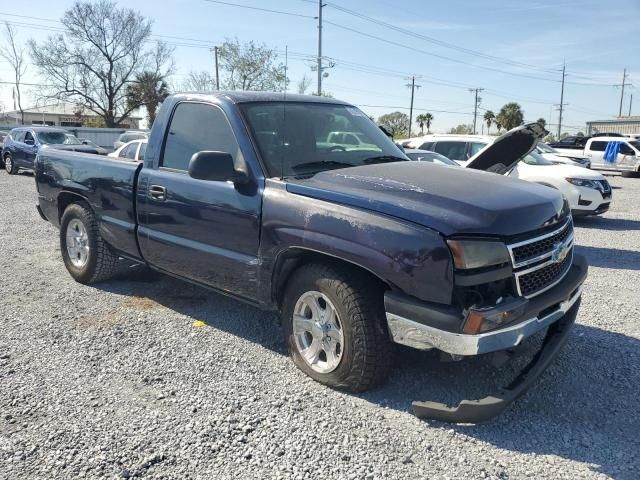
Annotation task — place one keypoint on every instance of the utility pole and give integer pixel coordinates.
(630, 103)
(624, 79)
(215, 53)
(475, 108)
(561, 100)
(320, 5)
(413, 87)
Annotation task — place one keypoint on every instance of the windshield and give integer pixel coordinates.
(635, 144)
(534, 158)
(544, 148)
(432, 157)
(307, 138)
(56, 138)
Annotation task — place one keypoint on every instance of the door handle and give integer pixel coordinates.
(158, 192)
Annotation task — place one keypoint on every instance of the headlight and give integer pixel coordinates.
(581, 182)
(478, 253)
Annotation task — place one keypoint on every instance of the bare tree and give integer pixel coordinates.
(101, 52)
(304, 84)
(14, 54)
(201, 81)
(250, 67)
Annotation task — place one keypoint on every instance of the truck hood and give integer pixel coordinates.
(78, 148)
(508, 149)
(449, 200)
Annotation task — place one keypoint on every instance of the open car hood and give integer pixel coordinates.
(508, 149)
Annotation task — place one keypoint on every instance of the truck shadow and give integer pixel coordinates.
(580, 409)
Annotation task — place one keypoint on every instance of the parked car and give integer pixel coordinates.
(588, 192)
(627, 158)
(427, 156)
(133, 150)
(127, 137)
(356, 249)
(24, 143)
(573, 142)
(553, 155)
(99, 149)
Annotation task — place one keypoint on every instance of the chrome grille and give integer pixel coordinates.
(542, 261)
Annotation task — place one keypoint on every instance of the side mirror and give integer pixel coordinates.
(29, 142)
(215, 166)
(85, 142)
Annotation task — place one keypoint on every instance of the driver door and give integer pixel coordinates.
(30, 150)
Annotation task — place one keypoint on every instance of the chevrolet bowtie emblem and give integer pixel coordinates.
(560, 252)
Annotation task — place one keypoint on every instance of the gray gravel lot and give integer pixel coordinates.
(115, 381)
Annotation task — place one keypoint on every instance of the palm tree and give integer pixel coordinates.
(424, 119)
(489, 117)
(542, 122)
(148, 90)
(511, 115)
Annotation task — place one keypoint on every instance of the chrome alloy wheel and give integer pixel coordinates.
(318, 332)
(77, 243)
(8, 163)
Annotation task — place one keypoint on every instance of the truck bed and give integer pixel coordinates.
(107, 184)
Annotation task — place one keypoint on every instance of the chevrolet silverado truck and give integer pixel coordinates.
(358, 249)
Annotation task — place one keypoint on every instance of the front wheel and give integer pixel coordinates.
(9, 166)
(87, 257)
(335, 328)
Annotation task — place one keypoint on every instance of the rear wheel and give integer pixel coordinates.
(335, 328)
(9, 166)
(87, 257)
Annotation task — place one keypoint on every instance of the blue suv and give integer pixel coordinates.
(22, 144)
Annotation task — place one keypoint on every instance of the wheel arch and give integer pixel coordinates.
(290, 260)
(66, 198)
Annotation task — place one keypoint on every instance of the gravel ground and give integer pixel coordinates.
(116, 381)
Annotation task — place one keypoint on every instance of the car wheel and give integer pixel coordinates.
(85, 254)
(335, 328)
(628, 174)
(9, 166)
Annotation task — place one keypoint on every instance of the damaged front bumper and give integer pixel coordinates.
(426, 326)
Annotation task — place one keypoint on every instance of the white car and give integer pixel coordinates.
(133, 150)
(555, 156)
(128, 136)
(588, 192)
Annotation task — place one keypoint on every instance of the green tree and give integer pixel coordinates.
(250, 66)
(489, 118)
(542, 121)
(395, 123)
(424, 119)
(148, 90)
(462, 129)
(510, 116)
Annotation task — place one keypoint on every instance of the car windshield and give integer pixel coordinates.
(544, 148)
(56, 138)
(534, 158)
(635, 144)
(296, 139)
(432, 157)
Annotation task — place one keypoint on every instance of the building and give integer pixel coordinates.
(623, 125)
(61, 115)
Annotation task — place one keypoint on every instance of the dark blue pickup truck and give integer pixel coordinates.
(357, 247)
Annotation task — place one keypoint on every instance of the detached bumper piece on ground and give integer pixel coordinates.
(482, 410)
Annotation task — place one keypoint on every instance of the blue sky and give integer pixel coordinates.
(596, 38)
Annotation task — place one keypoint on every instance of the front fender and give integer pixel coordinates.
(406, 256)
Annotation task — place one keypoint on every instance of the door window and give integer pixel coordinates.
(129, 151)
(452, 150)
(143, 150)
(18, 136)
(475, 147)
(28, 138)
(625, 149)
(426, 146)
(196, 127)
(598, 146)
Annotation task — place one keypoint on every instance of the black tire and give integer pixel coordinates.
(367, 355)
(628, 174)
(9, 165)
(101, 261)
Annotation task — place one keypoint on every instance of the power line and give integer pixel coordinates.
(249, 7)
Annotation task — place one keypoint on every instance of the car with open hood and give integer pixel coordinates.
(515, 154)
(358, 249)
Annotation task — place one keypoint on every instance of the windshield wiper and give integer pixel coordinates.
(383, 159)
(321, 163)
